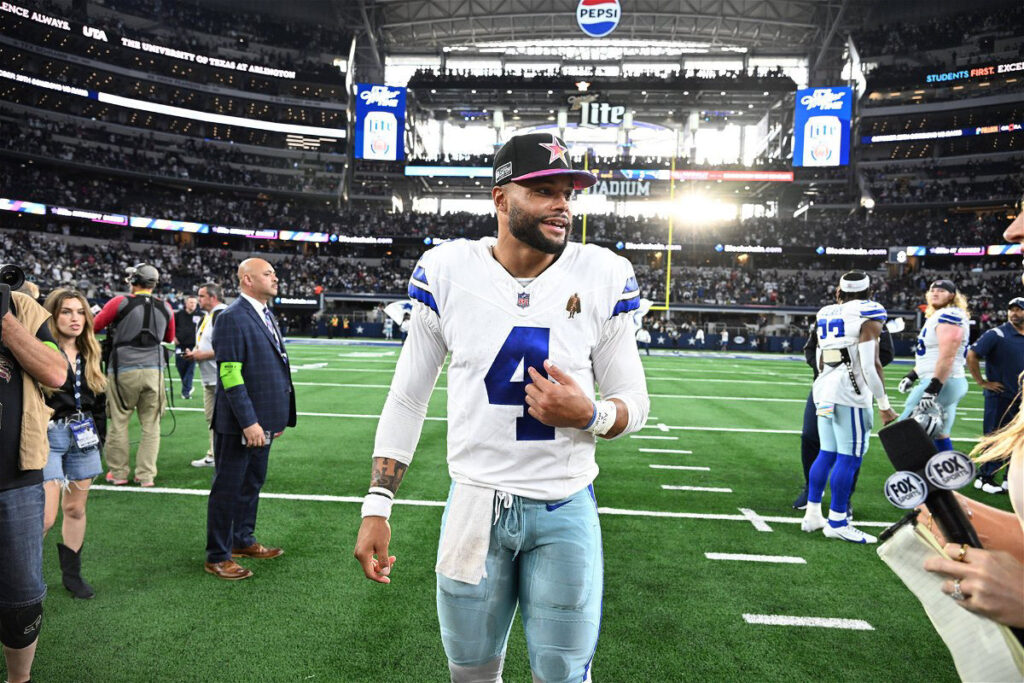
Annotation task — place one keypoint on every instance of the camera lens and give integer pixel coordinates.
(12, 276)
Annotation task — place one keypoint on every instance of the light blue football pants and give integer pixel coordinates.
(546, 557)
(954, 389)
(847, 431)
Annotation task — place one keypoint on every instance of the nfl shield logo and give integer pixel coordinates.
(524, 300)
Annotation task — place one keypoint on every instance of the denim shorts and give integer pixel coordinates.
(21, 537)
(68, 462)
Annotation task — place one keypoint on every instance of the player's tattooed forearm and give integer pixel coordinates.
(387, 473)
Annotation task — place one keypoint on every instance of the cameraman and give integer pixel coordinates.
(138, 323)
(28, 358)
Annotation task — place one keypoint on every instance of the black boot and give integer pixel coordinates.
(71, 568)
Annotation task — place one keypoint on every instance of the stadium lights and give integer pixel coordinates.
(697, 209)
(179, 112)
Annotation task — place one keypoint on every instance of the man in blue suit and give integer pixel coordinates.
(255, 402)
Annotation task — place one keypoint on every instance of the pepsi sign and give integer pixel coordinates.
(598, 18)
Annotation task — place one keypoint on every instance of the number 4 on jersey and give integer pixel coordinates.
(529, 346)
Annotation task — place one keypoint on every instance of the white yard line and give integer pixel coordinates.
(704, 489)
(695, 468)
(660, 438)
(740, 557)
(665, 450)
(819, 622)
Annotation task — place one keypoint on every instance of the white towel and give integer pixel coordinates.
(467, 534)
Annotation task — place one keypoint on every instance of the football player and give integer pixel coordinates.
(850, 375)
(941, 353)
(531, 321)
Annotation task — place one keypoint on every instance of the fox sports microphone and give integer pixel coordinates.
(923, 475)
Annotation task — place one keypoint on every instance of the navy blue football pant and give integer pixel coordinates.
(810, 444)
(1000, 410)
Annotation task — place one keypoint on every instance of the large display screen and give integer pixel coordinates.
(821, 126)
(380, 122)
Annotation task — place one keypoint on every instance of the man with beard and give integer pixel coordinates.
(1003, 350)
(531, 321)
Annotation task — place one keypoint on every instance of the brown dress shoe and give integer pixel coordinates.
(228, 569)
(257, 551)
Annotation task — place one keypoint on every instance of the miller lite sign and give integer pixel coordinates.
(598, 18)
(380, 122)
(821, 126)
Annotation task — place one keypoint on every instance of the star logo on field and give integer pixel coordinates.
(556, 149)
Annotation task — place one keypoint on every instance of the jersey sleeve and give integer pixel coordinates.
(419, 365)
(872, 310)
(420, 287)
(951, 316)
(628, 299)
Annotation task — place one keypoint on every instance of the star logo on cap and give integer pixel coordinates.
(556, 149)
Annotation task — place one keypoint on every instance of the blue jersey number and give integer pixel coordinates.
(529, 345)
(920, 350)
(835, 325)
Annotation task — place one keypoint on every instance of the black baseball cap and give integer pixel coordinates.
(1017, 301)
(536, 155)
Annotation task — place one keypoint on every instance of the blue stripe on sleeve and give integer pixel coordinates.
(625, 306)
(952, 320)
(420, 274)
(423, 295)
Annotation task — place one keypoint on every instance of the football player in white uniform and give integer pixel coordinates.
(850, 375)
(531, 321)
(940, 357)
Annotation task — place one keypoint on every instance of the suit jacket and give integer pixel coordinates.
(266, 394)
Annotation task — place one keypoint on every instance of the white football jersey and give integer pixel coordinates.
(576, 313)
(927, 350)
(838, 328)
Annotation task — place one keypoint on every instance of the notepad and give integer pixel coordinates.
(982, 650)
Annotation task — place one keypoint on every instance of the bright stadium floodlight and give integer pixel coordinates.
(697, 209)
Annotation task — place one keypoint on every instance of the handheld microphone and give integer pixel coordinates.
(911, 452)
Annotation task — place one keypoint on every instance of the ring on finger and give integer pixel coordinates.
(957, 594)
(962, 555)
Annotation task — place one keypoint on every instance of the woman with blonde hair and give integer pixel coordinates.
(77, 422)
(941, 353)
(990, 582)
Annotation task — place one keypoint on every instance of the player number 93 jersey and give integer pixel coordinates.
(838, 328)
(926, 351)
(495, 328)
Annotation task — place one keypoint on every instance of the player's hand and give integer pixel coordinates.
(558, 403)
(996, 387)
(907, 383)
(254, 436)
(927, 403)
(372, 549)
(888, 415)
(992, 582)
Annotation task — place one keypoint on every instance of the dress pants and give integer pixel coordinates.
(239, 473)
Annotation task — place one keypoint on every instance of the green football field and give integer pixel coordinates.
(727, 426)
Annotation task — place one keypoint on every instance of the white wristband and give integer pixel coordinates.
(605, 413)
(377, 503)
(883, 403)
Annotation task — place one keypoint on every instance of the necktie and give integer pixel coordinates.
(269, 318)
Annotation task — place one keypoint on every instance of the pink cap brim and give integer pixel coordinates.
(581, 179)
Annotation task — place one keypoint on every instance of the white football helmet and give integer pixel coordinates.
(930, 416)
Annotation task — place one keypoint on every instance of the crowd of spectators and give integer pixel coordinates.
(936, 33)
(315, 76)
(194, 159)
(773, 80)
(97, 268)
(61, 186)
(596, 161)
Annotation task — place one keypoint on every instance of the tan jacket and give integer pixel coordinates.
(35, 414)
